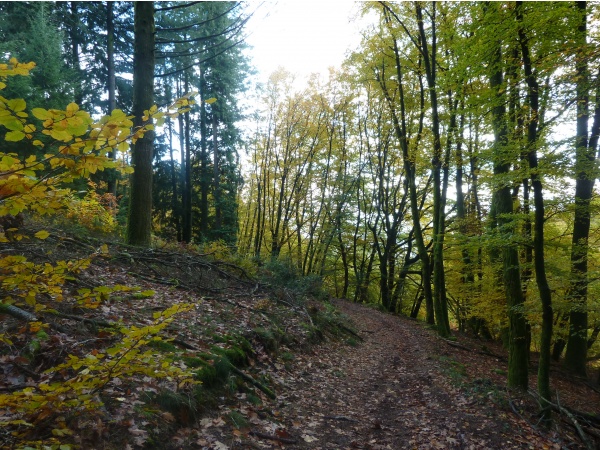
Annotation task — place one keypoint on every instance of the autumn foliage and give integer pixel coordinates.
(55, 148)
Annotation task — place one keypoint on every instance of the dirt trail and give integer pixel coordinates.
(393, 391)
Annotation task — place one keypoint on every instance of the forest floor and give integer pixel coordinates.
(405, 388)
(312, 375)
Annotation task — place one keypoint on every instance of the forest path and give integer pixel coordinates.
(399, 389)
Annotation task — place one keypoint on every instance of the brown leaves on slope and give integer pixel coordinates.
(403, 387)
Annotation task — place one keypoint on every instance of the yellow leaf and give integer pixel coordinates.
(11, 122)
(41, 113)
(42, 234)
(72, 108)
(17, 104)
(61, 135)
(117, 113)
(14, 136)
(123, 146)
(2, 85)
(210, 100)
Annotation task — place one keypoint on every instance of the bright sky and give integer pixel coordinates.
(302, 36)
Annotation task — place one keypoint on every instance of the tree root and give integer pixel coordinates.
(557, 407)
(26, 316)
(268, 392)
(92, 322)
(17, 313)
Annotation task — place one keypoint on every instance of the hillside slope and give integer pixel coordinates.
(274, 367)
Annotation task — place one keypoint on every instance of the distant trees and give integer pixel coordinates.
(447, 168)
(84, 54)
(436, 187)
(200, 49)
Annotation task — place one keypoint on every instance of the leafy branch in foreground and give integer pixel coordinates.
(53, 149)
(74, 386)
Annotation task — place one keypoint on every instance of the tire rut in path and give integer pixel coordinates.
(392, 391)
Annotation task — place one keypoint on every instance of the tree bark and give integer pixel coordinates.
(111, 86)
(216, 174)
(139, 224)
(585, 167)
(502, 206)
(440, 301)
(187, 169)
(538, 241)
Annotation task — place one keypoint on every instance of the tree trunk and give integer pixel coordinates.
(139, 224)
(174, 197)
(216, 175)
(538, 241)
(518, 361)
(204, 173)
(187, 169)
(585, 167)
(111, 86)
(440, 302)
(409, 173)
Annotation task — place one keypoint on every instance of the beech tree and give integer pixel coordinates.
(586, 144)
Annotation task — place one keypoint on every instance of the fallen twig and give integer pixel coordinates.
(480, 352)
(584, 437)
(342, 418)
(17, 312)
(560, 409)
(184, 344)
(350, 331)
(21, 314)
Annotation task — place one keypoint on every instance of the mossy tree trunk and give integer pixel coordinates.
(586, 172)
(502, 206)
(538, 241)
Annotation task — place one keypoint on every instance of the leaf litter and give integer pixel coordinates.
(393, 385)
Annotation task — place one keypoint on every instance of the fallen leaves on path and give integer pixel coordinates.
(402, 388)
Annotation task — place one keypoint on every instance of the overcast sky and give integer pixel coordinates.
(302, 36)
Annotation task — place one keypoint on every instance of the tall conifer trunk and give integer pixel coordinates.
(139, 224)
(187, 169)
(111, 86)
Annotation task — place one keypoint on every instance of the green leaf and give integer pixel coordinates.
(113, 351)
(17, 104)
(41, 113)
(14, 136)
(11, 122)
